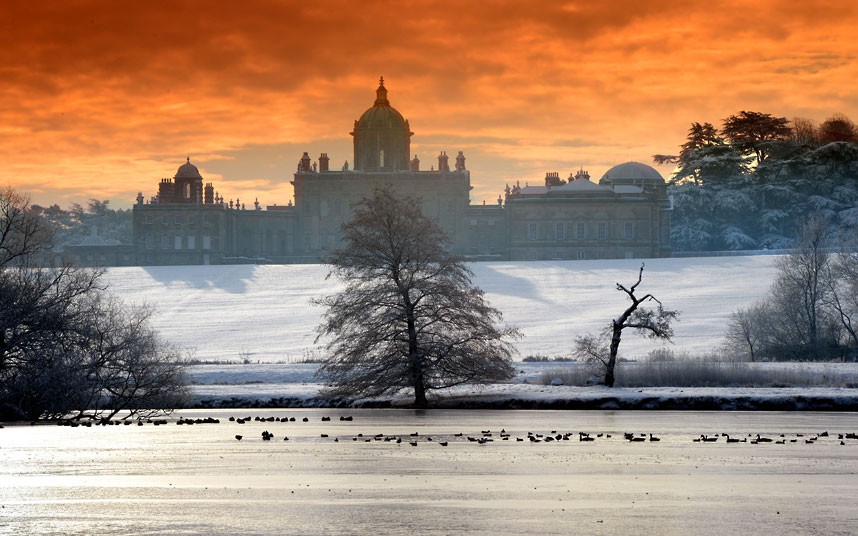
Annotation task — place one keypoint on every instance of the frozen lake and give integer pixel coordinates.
(199, 479)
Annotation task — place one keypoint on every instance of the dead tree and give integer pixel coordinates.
(650, 322)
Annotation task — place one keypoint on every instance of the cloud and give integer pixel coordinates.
(102, 98)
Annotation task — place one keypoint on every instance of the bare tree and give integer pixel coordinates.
(843, 293)
(67, 347)
(409, 316)
(653, 323)
(22, 235)
(747, 331)
(800, 288)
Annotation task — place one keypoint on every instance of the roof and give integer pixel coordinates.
(580, 186)
(632, 171)
(188, 171)
(382, 114)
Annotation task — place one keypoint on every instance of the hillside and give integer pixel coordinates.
(263, 313)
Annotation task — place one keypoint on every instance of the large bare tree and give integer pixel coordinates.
(409, 315)
(650, 322)
(66, 347)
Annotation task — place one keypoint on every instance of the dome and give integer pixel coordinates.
(382, 114)
(634, 171)
(188, 171)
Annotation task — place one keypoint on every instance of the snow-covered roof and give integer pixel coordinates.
(581, 186)
(627, 189)
(632, 171)
(533, 190)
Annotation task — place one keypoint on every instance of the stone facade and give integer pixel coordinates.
(625, 215)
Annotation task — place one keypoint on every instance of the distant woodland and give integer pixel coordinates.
(73, 225)
(752, 184)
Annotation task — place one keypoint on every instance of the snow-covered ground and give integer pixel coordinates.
(265, 314)
(262, 317)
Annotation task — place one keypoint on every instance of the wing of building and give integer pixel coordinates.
(625, 215)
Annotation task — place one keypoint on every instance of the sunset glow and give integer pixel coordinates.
(102, 99)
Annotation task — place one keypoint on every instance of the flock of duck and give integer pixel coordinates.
(781, 439)
(482, 438)
(489, 436)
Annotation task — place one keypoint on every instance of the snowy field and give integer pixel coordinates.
(263, 313)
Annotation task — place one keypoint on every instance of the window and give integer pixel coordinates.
(192, 242)
(165, 220)
(178, 241)
(150, 241)
(207, 242)
(192, 219)
(582, 231)
(165, 241)
(207, 219)
(629, 230)
(148, 219)
(177, 220)
(602, 231)
(533, 231)
(187, 190)
(381, 158)
(559, 231)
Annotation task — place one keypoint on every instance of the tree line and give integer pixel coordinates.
(811, 311)
(752, 183)
(69, 349)
(72, 225)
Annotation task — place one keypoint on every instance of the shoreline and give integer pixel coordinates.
(573, 398)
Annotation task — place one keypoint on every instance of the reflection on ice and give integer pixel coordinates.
(199, 478)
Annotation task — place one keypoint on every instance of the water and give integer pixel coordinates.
(199, 479)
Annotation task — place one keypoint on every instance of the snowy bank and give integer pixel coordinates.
(295, 386)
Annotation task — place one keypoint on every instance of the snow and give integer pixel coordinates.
(257, 324)
(265, 314)
(295, 385)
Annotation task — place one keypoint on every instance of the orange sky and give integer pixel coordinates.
(102, 99)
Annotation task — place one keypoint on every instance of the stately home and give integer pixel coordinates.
(624, 215)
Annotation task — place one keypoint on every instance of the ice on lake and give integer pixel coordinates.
(186, 479)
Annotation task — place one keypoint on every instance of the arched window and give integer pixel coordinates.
(187, 190)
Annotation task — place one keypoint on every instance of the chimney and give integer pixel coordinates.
(415, 164)
(460, 161)
(443, 164)
(304, 164)
(324, 163)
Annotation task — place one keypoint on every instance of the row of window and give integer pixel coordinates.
(190, 219)
(563, 231)
(178, 242)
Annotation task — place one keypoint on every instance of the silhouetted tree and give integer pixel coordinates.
(750, 132)
(704, 157)
(651, 322)
(409, 316)
(66, 347)
(838, 128)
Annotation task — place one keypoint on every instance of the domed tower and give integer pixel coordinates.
(188, 184)
(635, 174)
(382, 137)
